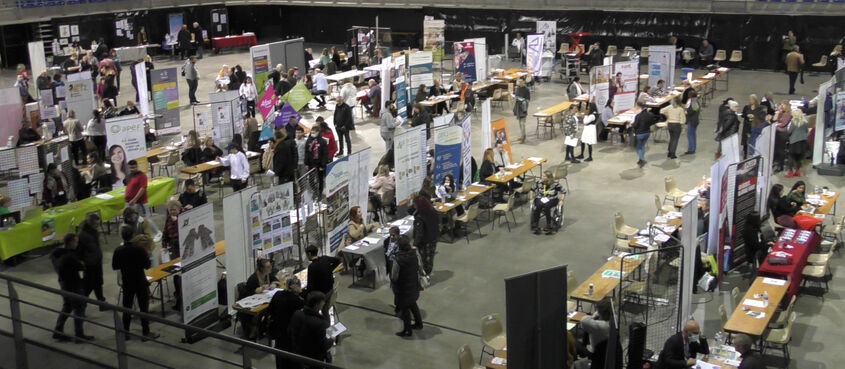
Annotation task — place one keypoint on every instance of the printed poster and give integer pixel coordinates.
(409, 162)
(48, 106)
(203, 121)
(277, 200)
(165, 100)
(277, 233)
(625, 77)
(420, 70)
(465, 60)
(143, 98)
(124, 142)
(466, 150)
(745, 201)
(447, 153)
(260, 67)
(549, 31)
(267, 102)
(401, 97)
(199, 266)
(500, 134)
(600, 84)
(337, 201)
(79, 96)
(359, 186)
(434, 38)
(534, 52)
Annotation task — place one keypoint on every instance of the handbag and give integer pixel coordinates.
(424, 279)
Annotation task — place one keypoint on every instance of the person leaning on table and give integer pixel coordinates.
(597, 328)
(307, 329)
(263, 279)
(680, 349)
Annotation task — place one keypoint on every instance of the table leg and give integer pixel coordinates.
(161, 295)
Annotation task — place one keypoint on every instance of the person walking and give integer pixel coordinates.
(675, 119)
(67, 265)
(192, 76)
(787, 45)
(284, 157)
(693, 111)
(797, 142)
(131, 259)
(96, 130)
(794, 63)
(248, 93)
(317, 155)
(91, 254)
(642, 130)
(184, 40)
(388, 123)
(404, 275)
(344, 122)
(426, 231)
(520, 107)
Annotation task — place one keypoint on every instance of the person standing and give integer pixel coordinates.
(316, 154)
(520, 106)
(642, 130)
(421, 117)
(91, 253)
(184, 40)
(300, 150)
(404, 275)
(57, 187)
(797, 142)
(284, 157)
(570, 129)
(326, 134)
(588, 134)
(321, 274)
(374, 93)
(136, 189)
(794, 63)
(131, 259)
(388, 123)
(96, 129)
(787, 45)
(68, 265)
(344, 122)
(753, 115)
(426, 231)
(197, 38)
(192, 76)
(675, 119)
(249, 93)
(693, 110)
(519, 43)
(282, 307)
(307, 329)
(238, 166)
(782, 118)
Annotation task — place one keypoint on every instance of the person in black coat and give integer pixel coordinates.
(282, 87)
(406, 286)
(679, 350)
(756, 246)
(642, 130)
(422, 116)
(316, 154)
(282, 307)
(193, 196)
(750, 359)
(68, 265)
(728, 120)
(284, 157)
(426, 231)
(91, 253)
(132, 259)
(344, 122)
(184, 40)
(321, 273)
(307, 329)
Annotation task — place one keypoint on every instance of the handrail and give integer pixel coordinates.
(14, 300)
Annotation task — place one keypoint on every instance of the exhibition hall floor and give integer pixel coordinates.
(468, 278)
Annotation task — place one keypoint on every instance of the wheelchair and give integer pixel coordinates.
(556, 213)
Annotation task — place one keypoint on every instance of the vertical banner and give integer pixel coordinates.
(410, 164)
(534, 52)
(486, 125)
(549, 31)
(199, 266)
(384, 73)
(174, 21)
(625, 96)
(661, 59)
(447, 152)
(481, 68)
(600, 84)
(500, 134)
(79, 96)
(745, 201)
(401, 97)
(359, 175)
(165, 100)
(689, 240)
(47, 104)
(267, 102)
(420, 70)
(275, 208)
(260, 56)
(466, 150)
(434, 38)
(125, 142)
(337, 201)
(283, 117)
(143, 99)
(765, 145)
(465, 61)
(241, 219)
(37, 59)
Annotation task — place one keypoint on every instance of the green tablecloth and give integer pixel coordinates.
(27, 235)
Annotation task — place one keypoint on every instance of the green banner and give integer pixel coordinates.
(298, 96)
(259, 80)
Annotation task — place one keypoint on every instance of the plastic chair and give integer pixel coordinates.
(470, 215)
(564, 48)
(821, 258)
(492, 335)
(525, 189)
(503, 209)
(721, 55)
(817, 273)
(779, 320)
(611, 50)
(662, 209)
(737, 298)
(622, 229)
(561, 173)
(723, 314)
(822, 62)
(644, 52)
(671, 190)
(736, 56)
(780, 336)
(465, 360)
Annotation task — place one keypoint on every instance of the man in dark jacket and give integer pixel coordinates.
(192, 197)
(67, 264)
(406, 287)
(196, 33)
(92, 256)
(321, 273)
(282, 87)
(343, 123)
(422, 116)
(750, 359)
(184, 40)
(282, 307)
(307, 329)
(131, 259)
(275, 75)
(316, 154)
(679, 350)
(284, 157)
(642, 129)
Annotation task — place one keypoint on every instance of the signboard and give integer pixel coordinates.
(534, 52)
(465, 60)
(661, 60)
(549, 30)
(199, 266)
(500, 134)
(79, 96)
(420, 70)
(298, 96)
(337, 201)
(165, 100)
(447, 152)
(409, 162)
(434, 38)
(466, 150)
(600, 84)
(143, 98)
(125, 142)
(260, 56)
(627, 76)
(745, 201)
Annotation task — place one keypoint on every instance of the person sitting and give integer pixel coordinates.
(751, 359)
(547, 194)
(96, 176)
(782, 208)
(680, 350)
(383, 183)
(357, 229)
(57, 189)
(422, 117)
(282, 307)
(597, 329)
(210, 151)
(796, 194)
(437, 90)
(321, 85)
(192, 155)
(371, 103)
(756, 246)
(129, 109)
(706, 53)
(660, 89)
(192, 197)
(262, 280)
(27, 135)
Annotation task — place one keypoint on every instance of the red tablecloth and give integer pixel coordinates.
(800, 244)
(218, 43)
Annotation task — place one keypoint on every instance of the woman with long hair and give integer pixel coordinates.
(675, 120)
(798, 133)
(406, 286)
(426, 231)
(119, 166)
(782, 117)
(192, 155)
(357, 229)
(782, 207)
(588, 134)
(751, 112)
(222, 80)
(249, 94)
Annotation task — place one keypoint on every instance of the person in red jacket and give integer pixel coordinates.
(328, 135)
(136, 189)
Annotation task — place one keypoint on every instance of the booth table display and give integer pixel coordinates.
(603, 285)
(131, 54)
(462, 197)
(350, 74)
(524, 166)
(800, 244)
(371, 249)
(302, 275)
(158, 273)
(741, 322)
(27, 235)
(246, 39)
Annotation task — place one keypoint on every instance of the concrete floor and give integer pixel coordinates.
(468, 279)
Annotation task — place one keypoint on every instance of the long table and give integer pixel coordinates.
(302, 275)
(524, 166)
(800, 244)
(337, 77)
(371, 249)
(432, 101)
(471, 192)
(27, 235)
(158, 274)
(550, 112)
(826, 200)
(602, 286)
(741, 322)
(247, 39)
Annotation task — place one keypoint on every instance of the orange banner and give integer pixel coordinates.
(500, 133)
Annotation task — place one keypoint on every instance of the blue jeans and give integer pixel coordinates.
(691, 137)
(641, 140)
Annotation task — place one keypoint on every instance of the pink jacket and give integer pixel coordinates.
(383, 184)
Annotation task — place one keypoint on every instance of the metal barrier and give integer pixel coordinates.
(19, 307)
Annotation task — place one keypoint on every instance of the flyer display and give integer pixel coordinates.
(409, 161)
(125, 142)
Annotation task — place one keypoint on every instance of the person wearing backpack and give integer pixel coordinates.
(693, 109)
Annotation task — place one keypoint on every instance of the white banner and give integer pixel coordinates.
(689, 240)
(534, 52)
(600, 85)
(337, 200)
(241, 217)
(141, 82)
(466, 150)
(359, 186)
(79, 96)
(384, 73)
(765, 146)
(549, 31)
(37, 59)
(124, 142)
(420, 66)
(661, 60)
(410, 164)
(199, 269)
(486, 125)
(481, 67)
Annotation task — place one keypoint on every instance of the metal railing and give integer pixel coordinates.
(13, 310)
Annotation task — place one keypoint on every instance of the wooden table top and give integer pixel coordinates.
(483, 85)
(740, 322)
(303, 278)
(161, 150)
(556, 109)
(431, 101)
(503, 354)
(830, 201)
(603, 286)
(211, 165)
(672, 222)
(157, 272)
(582, 98)
(471, 192)
(527, 165)
(662, 100)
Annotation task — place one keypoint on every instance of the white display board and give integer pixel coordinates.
(143, 96)
(534, 44)
(79, 96)
(481, 66)
(661, 62)
(549, 30)
(689, 240)
(37, 59)
(240, 259)
(409, 161)
(199, 267)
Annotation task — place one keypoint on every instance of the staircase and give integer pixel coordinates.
(43, 31)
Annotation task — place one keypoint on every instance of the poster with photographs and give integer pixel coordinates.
(337, 201)
(255, 220)
(277, 233)
(125, 142)
(277, 200)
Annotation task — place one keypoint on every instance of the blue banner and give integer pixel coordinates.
(401, 97)
(447, 153)
(465, 60)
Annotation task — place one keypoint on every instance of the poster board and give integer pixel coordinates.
(661, 65)
(11, 113)
(434, 38)
(500, 133)
(689, 240)
(276, 229)
(534, 44)
(260, 63)
(600, 84)
(625, 97)
(465, 61)
(359, 186)
(223, 115)
(199, 266)
(385, 68)
(486, 125)
(482, 66)
(420, 68)
(165, 100)
(125, 142)
(241, 217)
(337, 201)
(37, 59)
(765, 146)
(466, 151)
(141, 80)
(549, 31)
(409, 161)
(79, 96)
(447, 153)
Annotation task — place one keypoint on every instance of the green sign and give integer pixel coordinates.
(298, 96)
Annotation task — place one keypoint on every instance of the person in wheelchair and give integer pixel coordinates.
(547, 195)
